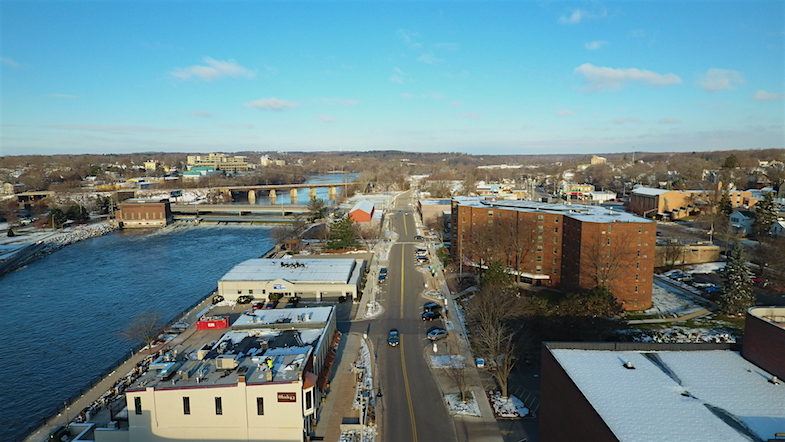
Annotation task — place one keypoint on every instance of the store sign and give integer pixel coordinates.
(287, 397)
(279, 287)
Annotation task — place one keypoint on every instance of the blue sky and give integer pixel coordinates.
(478, 77)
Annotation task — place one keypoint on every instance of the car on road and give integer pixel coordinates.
(436, 333)
(431, 306)
(419, 238)
(421, 252)
(382, 274)
(430, 315)
(393, 338)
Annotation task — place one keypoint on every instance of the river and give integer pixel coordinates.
(64, 312)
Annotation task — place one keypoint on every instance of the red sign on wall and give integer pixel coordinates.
(287, 397)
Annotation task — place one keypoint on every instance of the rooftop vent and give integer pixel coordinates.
(628, 365)
(775, 380)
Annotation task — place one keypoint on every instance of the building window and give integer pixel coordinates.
(219, 409)
(138, 405)
(636, 289)
(309, 400)
(556, 229)
(639, 253)
(260, 406)
(539, 247)
(540, 217)
(250, 291)
(186, 405)
(239, 292)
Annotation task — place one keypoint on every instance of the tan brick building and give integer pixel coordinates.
(676, 204)
(565, 246)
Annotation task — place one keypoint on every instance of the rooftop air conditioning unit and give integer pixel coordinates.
(225, 362)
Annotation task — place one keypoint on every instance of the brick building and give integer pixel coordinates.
(619, 391)
(564, 246)
(138, 213)
(362, 212)
(676, 204)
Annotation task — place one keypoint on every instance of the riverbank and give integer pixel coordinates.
(29, 246)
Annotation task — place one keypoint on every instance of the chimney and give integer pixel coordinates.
(241, 379)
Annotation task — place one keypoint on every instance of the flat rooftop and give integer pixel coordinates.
(695, 395)
(581, 212)
(287, 337)
(774, 315)
(293, 270)
(288, 317)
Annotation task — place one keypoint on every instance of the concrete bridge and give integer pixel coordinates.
(273, 189)
(238, 209)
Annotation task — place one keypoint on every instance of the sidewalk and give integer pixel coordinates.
(467, 428)
(339, 400)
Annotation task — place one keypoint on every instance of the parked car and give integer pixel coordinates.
(419, 238)
(382, 274)
(393, 338)
(244, 299)
(217, 299)
(430, 315)
(431, 306)
(271, 305)
(479, 362)
(421, 252)
(436, 333)
(258, 306)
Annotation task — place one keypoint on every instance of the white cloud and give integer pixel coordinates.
(595, 44)
(429, 58)
(213, 69)
(720, 79)
(346, 102)
(762, 95)
(326, 118)
(399, 76)
(604, 78)
(271, 104)
(564, 113)
(409, 38)
(580, 15)
(10, 62)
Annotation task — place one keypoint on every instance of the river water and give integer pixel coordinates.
(63, 313)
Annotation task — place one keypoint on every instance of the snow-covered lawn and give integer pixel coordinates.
(679, 335)
(457, 407)
(709, 267)
(670, 302)
(510, 407)
(447, 361)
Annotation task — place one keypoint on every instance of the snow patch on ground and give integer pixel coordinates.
(670, 302)
(367, 434)
(457, 407)
(448, 361)
(709, 267)
(225, 303)
(363, 363)
(680, 335)
(374, 309)
(510, 407)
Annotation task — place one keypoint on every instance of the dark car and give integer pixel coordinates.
(258, 306)
(431, 306)
(217, 299)
(430, 315)
(382, 274)
(393, 338)
(244, 299)
(436, 333)
(419, 238)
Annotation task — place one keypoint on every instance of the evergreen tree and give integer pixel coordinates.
(316, 209)
(726, 207)
(57, 218)
(342, 234)
(765, 215)
(737, 294)
(731, 162)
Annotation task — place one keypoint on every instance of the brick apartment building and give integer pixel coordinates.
(564, 246)
(138, 213)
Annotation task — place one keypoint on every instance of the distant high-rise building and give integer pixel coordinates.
(219, 161)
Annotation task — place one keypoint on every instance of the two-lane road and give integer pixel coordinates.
(412, 406)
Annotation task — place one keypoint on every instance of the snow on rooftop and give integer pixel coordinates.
(581, 212)
(287, 316)
(293, 270)
(649, 191)
(363, 205)
(677, 395)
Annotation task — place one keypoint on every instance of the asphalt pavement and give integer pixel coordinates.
(412, 408)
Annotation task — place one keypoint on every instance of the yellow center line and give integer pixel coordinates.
(403, 359)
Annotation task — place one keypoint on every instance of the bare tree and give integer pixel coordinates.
(517, 236)
(145, 327)
(436, 225)
(489, 314)
(368, 233)
(673, 252)
(456, 371)
(610, 256)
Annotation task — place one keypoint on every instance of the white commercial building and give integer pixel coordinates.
(309, 279)
(260, 381)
